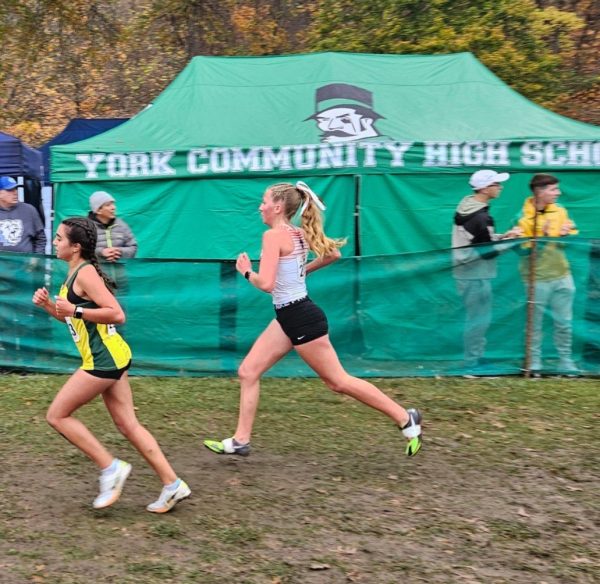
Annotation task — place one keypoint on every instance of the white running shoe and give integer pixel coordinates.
(111, 485)
(169, 498)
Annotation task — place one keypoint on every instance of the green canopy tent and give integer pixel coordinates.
(391, 137)
(389, 142)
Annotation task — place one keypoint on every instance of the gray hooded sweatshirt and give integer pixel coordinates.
(473, 224)
(21, 229)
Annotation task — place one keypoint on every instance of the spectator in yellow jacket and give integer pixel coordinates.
(554, 287)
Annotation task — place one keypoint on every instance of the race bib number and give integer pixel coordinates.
(72, 330)
(301, 267)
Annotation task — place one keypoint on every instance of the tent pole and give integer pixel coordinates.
(357, 181)
(357, 336)
(531, 292)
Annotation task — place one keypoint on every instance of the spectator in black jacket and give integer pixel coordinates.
(474, 268)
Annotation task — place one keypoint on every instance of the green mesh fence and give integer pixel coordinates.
(397, 315)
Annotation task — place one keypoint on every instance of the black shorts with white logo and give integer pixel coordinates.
(302, 321)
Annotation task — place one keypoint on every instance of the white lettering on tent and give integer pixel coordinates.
(531, 153)
(279, 160)
(351, 155)
(330, 156)
(496, 153)
(91, 162)
(304, 157)
(116, 165)
(220, 160)
(596, 153)
(580, 154)
(455, 153)
(248, 161)
(193, 164)
(436, 154)
(398, 149)
(139, 164)
(559, 153)
(553, 158)
(473, 153)
(370, 148)
(160, 163)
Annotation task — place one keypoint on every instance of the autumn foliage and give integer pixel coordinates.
(109, 58)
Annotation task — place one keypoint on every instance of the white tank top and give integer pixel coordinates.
(290, 282)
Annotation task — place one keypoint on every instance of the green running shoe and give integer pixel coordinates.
(413, 446)
(228, 446)
(412, 431)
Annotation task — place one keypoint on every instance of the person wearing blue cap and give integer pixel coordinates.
(21, 227)
(21, 231)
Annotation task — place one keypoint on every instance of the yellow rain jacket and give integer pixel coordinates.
(551, 261)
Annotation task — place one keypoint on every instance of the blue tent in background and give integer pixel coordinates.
(18, 159)
(76, 130)
(24, 164)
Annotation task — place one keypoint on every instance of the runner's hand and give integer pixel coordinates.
(41, 297)
(64, 307)
(243, 263)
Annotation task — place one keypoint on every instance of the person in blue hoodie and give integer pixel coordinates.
(474, 268)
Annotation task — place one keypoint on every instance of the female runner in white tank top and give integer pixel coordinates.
(299, 323)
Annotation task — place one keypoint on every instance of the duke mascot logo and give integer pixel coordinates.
(344, 113)
(11, 231)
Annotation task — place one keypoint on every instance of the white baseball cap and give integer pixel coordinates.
(485, 178)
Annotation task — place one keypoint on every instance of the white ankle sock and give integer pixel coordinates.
(112, 467)
(173, 485)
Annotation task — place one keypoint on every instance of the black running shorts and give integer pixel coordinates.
(110, 373)
(302, 321)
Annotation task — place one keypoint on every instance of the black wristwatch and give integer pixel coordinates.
(247, 275)
(78, 312)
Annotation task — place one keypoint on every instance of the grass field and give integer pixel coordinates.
(506, 488)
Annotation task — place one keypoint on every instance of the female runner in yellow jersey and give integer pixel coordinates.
(86, 304)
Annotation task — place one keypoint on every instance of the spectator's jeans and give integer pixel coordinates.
(558, 296)
(477, 298)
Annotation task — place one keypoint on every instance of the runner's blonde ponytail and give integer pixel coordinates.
(311, 219)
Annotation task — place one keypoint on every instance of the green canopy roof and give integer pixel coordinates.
(244, 102)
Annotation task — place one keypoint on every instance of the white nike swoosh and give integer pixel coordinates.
(300, 338)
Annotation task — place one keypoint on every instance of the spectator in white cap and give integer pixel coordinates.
(115, 238)
(482, 179)
(475, 267)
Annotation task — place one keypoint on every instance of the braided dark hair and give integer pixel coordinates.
(82, 230)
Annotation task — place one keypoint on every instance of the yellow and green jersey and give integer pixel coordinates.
(100, 345)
